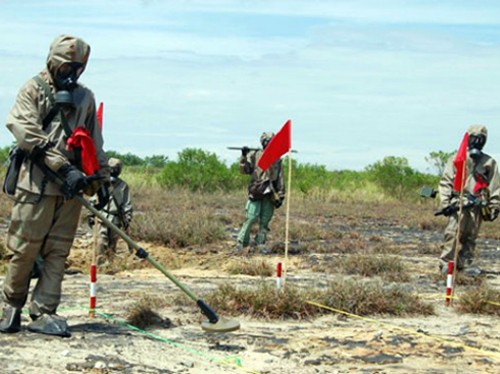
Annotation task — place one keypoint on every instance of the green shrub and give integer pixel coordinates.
(397, 178)
(197, 170)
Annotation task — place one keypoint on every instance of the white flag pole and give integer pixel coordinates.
(287, 219)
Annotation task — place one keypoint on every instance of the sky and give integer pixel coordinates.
(359, 79)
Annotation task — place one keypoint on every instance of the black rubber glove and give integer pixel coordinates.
(494, 214)
(73, 180)
(278, 203)
(244, 151)
(102, 196)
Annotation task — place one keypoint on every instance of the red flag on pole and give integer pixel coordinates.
(460, 163)
(99, 114)
(277, 147)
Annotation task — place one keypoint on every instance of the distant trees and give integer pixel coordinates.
(438, 160)
(199, 170)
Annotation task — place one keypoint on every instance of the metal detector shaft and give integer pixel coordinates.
(254, 149)
(140, 252)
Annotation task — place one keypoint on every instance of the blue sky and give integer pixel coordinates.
(360, 79)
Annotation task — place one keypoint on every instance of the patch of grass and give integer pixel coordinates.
(389, 268)
(255, 267)
(480, 300)
(361, 298)
(141, 313)
(179, 228)
(386, 249)
(431, 224)
(429, 249)
(367, 298)
(263, 301)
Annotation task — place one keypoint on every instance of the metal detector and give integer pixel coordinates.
(214, 323)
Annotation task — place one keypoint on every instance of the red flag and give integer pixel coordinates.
(277, 147)
(460, 163)
(80, 138)
(99, 114)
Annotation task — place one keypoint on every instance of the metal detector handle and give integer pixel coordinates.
(140, 252)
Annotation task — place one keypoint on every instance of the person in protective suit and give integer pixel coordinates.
(266, 192)
(48, 110)
(481, 201)
(118, 210)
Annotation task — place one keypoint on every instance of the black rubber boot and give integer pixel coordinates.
(11, 320)
(50, 324)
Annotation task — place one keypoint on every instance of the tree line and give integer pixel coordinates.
(200, 170)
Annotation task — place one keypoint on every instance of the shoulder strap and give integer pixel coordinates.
(54, 111)
(55, 108)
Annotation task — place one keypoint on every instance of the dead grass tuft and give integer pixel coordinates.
(479, 300)
(431, 225)
(253, 267)
(179, 228)
(361, 298)
(389, 268)
(141, 314)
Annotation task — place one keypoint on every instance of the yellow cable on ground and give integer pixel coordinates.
(482, 351)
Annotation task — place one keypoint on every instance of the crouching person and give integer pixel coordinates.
(53, 120)
(118, 210)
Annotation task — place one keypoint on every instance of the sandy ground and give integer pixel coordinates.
(447, 342)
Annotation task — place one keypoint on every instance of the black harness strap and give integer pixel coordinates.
(56, 109)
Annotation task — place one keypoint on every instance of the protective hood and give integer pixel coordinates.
(265, 138)
(115, 165)
(67, 49)
(476, 130)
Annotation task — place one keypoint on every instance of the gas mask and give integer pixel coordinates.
(476, 144)
(67, 76)
(115, 171)
(265, 139)
(66, 81)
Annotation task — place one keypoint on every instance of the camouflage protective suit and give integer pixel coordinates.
(472, 218)
(118, 210)
(260, 207)
(43, 221)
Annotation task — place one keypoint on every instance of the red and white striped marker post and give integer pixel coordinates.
(278, 275)
(449, 283)
(93, 280)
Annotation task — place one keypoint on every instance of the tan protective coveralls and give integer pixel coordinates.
(48, 227)
(471, 217)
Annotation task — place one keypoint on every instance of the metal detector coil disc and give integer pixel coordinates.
(222, 325)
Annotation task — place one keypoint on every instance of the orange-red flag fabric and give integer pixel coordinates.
(80, 138)
(460, 163)
(277, 147)
(99, 113)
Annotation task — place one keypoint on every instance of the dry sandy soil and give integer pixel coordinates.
(447, 342)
